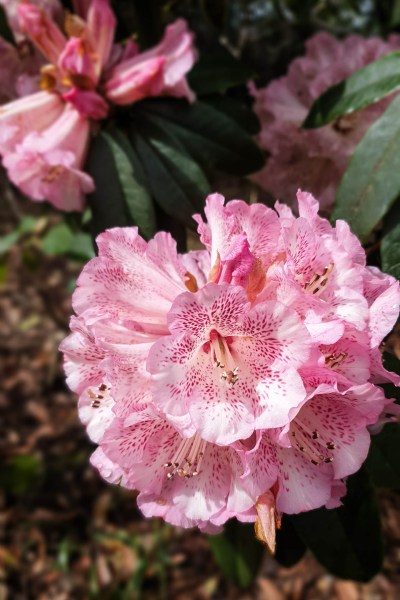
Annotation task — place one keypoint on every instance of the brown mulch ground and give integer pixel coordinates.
(64, 533)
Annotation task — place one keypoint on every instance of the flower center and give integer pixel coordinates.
(311, 444)
(96, 398)
(318, 283)
(188, 458)
(221, 357)
(334, 360)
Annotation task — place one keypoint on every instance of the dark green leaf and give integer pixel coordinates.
(237, 552)
(213, 138)
(391, 362)
(390, 252)
(139, 203)
(289, 547)
(346, 540)
(5, 30)
(371, 183)
(238, 111)
(395, 17)
(176, 181)
(216, 71)
(383, 462)
(364, 87)
(107, 202)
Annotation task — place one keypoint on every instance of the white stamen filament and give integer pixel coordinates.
(188, 458)
(221, 357)
(98, 397)
(310, 443)
(318, 283)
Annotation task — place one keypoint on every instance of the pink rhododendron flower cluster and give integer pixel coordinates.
(44, 136)
(214, 378)
(315, 159)
(20, 63)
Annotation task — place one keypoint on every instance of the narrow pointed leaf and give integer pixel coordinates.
(371, 182)
(216, 71)
(107, 202)
(364, 87)
(212, 137)
(176, 181)
(238, 111)
(346, 540)
(390, 252)
(139, 203)
(5, 29)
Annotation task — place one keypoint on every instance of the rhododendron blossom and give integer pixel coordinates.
(85, 72)
(226, 381)
(315, 159)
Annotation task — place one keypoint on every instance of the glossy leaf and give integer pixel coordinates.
(216, 71)
(177, 183)
(237, 552)
(238, 111)
(383, 462)
(139, 203)
(364, 87)
(390, 252)
(371, 182)
(107, 202)
(346, 540)
(5, 29)
(212, 137)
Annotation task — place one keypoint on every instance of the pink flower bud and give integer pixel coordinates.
(42, 30)
(101, 28)
(160, 71)
(77, 63)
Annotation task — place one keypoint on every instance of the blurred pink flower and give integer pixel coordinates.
(313, 159)
(159, 71)
(46, 165)
(82, 59)
(209, 378)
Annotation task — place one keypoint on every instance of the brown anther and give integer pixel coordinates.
(329, 459)
(318, 282)
(53, 174)
(331, 446)
(48, 77)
